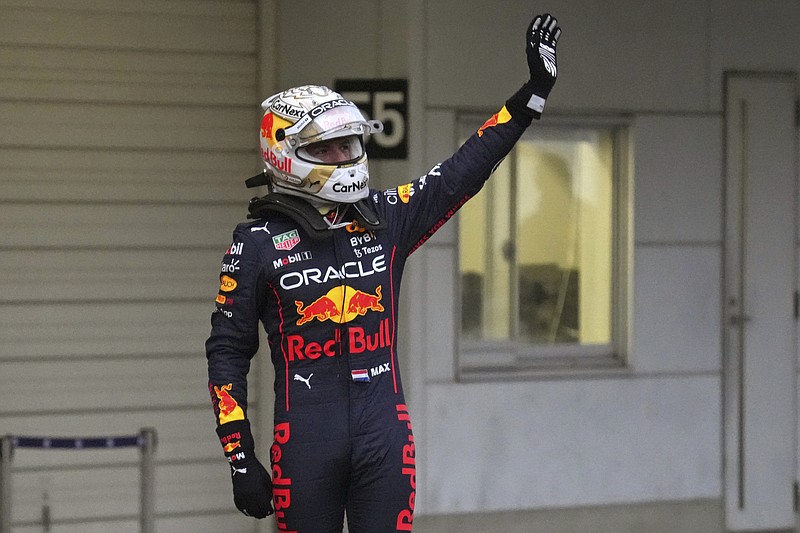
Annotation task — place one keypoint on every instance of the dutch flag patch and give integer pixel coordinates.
(360, 375)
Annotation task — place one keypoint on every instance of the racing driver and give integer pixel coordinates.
(319, 265)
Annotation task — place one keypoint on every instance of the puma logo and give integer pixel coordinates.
(262, 228)
(307, 381)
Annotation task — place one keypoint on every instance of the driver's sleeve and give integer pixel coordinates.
(234, 328)
(424, 205)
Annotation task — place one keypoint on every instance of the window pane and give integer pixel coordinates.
(485, 266)
(536, 245)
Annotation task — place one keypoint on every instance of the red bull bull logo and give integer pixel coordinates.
(229, 409)
(323, 308)
(361, 302)
(501, 117)
(231, 446)
(340, 304)
(266, 125)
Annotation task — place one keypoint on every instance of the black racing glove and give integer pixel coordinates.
(540, 47)
(252, 484)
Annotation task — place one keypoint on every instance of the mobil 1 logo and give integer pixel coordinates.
(385, 100)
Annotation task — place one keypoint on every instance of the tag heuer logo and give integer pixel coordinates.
(286, 241)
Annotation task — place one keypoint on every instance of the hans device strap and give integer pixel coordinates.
(304, 213)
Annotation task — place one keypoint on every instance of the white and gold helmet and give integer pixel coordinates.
(312, 144)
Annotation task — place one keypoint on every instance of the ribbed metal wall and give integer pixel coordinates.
(126, 129)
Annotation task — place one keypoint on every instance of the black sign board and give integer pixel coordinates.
(385, 100)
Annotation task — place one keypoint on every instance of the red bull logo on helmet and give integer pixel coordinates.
(340, 304)
(266, 125)
(284, 164)
(501, 117)
(270, 124)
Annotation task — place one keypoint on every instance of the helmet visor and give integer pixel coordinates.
(331, 121)
(336, 151)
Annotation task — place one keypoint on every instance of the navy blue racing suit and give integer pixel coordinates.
(342, 435)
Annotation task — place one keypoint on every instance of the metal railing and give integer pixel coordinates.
(145, 441)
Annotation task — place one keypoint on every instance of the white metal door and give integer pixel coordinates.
(760, 272)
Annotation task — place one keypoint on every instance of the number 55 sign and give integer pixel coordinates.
(384, 100)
